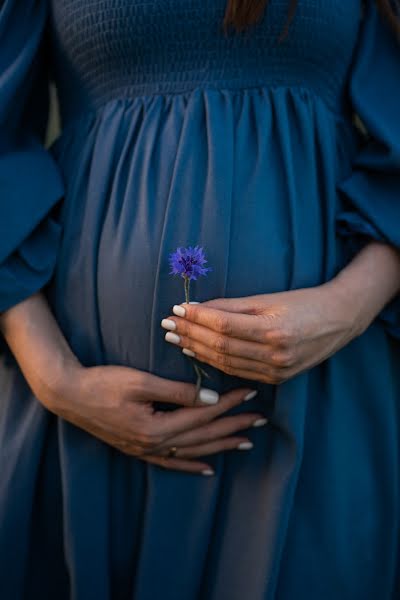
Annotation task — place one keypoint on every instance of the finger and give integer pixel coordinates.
(271, 375)
(179, 464)
(158, 389)
(217, 429)
(249, 305)
(167, 424)
(221, 360)
(188, 332)
(241, 326)
(227, 362)
(231, 443)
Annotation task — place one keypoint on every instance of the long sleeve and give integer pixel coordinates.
(371, 192)
(30, 182)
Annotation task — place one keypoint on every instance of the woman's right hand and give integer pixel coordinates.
(115, 404)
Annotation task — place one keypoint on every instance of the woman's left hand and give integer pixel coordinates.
(268, 338)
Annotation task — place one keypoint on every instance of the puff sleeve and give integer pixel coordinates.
(371, 191)
(30, 182)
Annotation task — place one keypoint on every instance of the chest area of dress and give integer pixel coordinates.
(188, 34)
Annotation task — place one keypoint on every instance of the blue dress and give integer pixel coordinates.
(174, 134)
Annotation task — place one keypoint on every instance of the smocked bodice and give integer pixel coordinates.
(107, 49)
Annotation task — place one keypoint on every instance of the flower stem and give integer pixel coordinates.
(198, 380)
(198, 370)
(200, 373)
(187, 288)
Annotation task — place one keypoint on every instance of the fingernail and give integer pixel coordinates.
(208, 396)
(172, 337)
(188, 352)
(179, 311)
(194, 302)
(245, 446)
(208, 472)
(260, 422)
(168, 324)
(250, 395)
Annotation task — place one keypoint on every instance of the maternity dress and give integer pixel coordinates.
(176, 134)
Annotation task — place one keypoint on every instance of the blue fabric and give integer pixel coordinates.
(30, 181)
(175, 135)
(371, 192)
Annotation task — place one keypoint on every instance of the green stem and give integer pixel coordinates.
(187, 288)
(204, 373)
(198, 380)
(198, 370)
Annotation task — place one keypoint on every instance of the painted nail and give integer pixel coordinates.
(188, 352)
(168, 324)
(179, 311)
(172, 337)
(260, 422)
(250, 395)
(208, 472)
(245, 446)
(208, 396)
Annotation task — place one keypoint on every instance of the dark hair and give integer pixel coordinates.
(239, 14)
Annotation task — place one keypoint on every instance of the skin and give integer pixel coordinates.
(271, 338)
(115, 404)
(290, 332)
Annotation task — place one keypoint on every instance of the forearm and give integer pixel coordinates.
(370, 281)
(38, 345)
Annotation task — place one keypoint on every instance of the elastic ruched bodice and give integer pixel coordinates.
(115, 49)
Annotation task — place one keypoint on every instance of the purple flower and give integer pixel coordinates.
(188, 263)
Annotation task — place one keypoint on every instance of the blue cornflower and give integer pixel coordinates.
(188, 263)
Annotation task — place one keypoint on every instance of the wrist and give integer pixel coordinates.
(53, 385)
(368, 283)
(41, 350)
(350, 301)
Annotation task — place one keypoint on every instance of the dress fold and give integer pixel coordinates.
(30, 181)
(371, 192)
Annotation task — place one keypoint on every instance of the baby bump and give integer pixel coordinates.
(197, 176)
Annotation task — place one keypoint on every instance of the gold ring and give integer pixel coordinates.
(172, 451)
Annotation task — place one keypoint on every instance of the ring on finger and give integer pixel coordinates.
(172, 451)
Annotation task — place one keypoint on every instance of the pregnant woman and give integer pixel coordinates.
(229, 125)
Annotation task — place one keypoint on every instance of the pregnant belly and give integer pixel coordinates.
(194, 177)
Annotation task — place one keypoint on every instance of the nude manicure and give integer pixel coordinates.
(168, 324)
(208, 472)
(208, 396)
(250, 395)
(172, 337)
(179, 311)
(188, 352)
(245, 446)
(260, 422)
